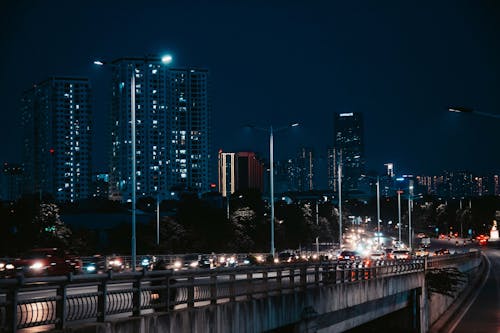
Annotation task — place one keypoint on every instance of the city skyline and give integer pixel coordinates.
(400, 65)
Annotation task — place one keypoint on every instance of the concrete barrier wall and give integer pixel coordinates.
(330, 308)
(439, 303)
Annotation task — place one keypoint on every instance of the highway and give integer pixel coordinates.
(482, 314)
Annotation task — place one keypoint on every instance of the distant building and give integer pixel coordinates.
(250, 172)
(173, 139)
(57, 124)
(239, 171)
(332, 169)
(100, 186)
(11, 182)
(305, 167)
(349, 146)
(227, 173)
(496, 185)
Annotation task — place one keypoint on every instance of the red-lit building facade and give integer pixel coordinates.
(239, 172)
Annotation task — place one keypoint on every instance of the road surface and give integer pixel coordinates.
(483, 315)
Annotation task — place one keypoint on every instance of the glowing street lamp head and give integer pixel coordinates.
(166, 59)
(295, 124)
(98, 63)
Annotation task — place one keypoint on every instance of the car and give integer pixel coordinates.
(285, 257)
(388, 253)
(377, 255)
(115, 263)
(482, 239)
(95, 264)
(252, 259)
(441, 252)
(191, 261)
(421, 252)
(227, 261)
(47, 261)
(6, 268)
(401, 254)
(348, 255)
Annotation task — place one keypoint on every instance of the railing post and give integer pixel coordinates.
(291, 276)
(102, 299)
(266, 284)
(136, 296)
(11, 309)
(190, 298)
(278, 280)
(61, 303)
(316, 274)
(232, 289)
(170, 292)
(303, 277)
(213, 288)
(249, 286)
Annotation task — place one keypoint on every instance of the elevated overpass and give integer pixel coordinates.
(306, 297)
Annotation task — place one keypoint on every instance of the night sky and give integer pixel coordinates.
(400, 63)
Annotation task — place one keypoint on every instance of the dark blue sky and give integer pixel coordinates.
(400, 63)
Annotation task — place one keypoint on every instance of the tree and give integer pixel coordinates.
(51, 230)
(244, 226)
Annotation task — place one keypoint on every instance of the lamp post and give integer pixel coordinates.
(399, 215)
(166, 60)
(378, 211)
(410, 197)
(317, 225)
(271, 131)
(340, 200)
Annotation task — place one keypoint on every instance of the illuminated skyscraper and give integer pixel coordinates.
(172, 128)
(349, 144)
(57, 124)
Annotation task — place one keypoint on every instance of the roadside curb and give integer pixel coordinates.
(449, 319)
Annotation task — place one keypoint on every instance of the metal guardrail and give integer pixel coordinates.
(61, 300)
(452, 259)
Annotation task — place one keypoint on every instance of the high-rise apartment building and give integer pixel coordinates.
(172, 128)
(11, 177)
(349, 146)
(57, 124)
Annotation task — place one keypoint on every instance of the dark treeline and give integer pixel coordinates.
(195, 225)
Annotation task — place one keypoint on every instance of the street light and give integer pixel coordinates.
(166, 60)
(271, 170)
(460, 109)
(410, 197)
(399, 215)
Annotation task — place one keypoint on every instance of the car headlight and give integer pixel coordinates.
(115, 262)
(9, 266)
(194, 264)
(2, 265)
(177, 264)
(36, 266)
(145, 262)
(90, 268)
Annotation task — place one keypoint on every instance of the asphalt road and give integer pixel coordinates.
(483, 315)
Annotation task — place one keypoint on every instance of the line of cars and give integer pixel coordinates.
(42, 262)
